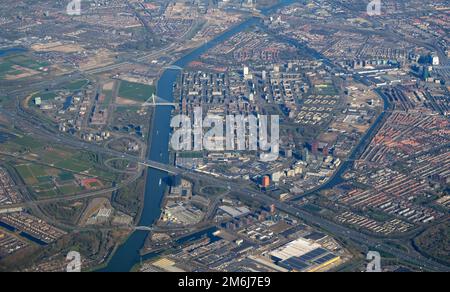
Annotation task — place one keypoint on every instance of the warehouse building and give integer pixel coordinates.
(303, 255)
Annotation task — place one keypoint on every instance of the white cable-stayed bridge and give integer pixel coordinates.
(157, 101)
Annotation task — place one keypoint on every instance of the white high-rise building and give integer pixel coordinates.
(264, 75)
(246, 71)
(276, 68)
(435, 61)
(247, 75)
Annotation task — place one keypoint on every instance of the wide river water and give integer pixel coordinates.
(128, 254)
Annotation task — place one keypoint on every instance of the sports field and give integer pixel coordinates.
(19, 65)
(48, 181)
(136, 91)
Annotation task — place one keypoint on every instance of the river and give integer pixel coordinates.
(128, 254)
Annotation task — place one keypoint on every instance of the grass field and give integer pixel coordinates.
(69, 189)
(38, 170)
(66, 176)
(57, 164)
(74, 165)
(108, 97)
(329, 89)
(77, 85)
(28, 142)
(7, 64)
(48, 181)
(20, 144)
(5, 99)
(127, 109)
(26, 174)
(6, 68)
(44, 96)
(26, 62)
(136, 91)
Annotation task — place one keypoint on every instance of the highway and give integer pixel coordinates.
(38, 202)
(248, 194)
(336, 230)
(35, 128)
(71, 76)
(156, 54)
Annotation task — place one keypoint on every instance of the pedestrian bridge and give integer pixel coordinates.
(174, 67)
(157, 101)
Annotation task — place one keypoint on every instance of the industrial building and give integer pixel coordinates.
(303, 255)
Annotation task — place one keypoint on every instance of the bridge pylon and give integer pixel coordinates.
(155, 100)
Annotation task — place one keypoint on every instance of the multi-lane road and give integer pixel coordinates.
(249, 194)
(34, 127)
